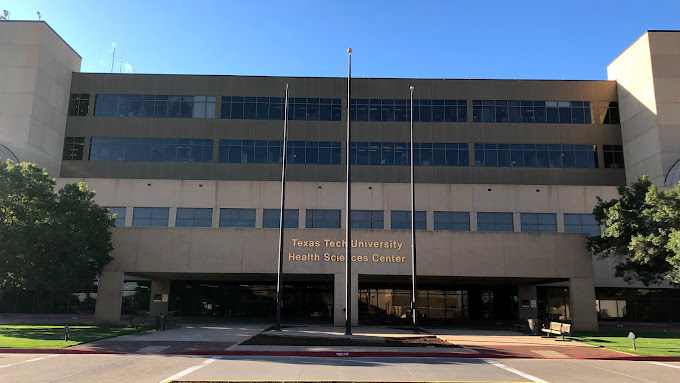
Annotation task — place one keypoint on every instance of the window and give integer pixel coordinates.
(150, 149)
(322, 219)
(398, 153)
(613, 156)
(451, 220)
(270, 152)
(538, 222)
(494, 222)
(612, 115)
(193, 217)
(74, 148)
(237, 217)
(79, 104)
(385, 110)
(154, 106)
(271, 108)
(611, 308)
(270, 218)
(536, 155)
(517, 111)
(401, 219)
(150, 217)
(368, 219)
(118, 214)
(581, 223)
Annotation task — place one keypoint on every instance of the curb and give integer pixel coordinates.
(339, 354)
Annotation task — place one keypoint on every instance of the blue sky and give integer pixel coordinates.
(572, 39)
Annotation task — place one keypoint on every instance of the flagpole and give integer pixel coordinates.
(348, 203)
(414, 315)
(279, 268)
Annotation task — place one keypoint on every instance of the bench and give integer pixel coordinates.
(557, 328)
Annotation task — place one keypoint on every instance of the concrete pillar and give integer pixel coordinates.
(528, 307)
(339, 299)
(109, 296)
(582, 304)
(160, 294)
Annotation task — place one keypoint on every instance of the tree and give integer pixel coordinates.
(50, 240)
(641, 229)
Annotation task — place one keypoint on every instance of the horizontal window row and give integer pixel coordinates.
(330, 109)
(559, 112)
(385, 110)
(536, 155)
(329, 152)
(272, 108)
(270, 152)
(361, 219)
(399, 153)
(138, 105)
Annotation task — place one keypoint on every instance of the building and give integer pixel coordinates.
(507, 174)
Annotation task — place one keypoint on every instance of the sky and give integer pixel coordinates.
(571, 39)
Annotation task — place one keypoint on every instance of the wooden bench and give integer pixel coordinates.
(557, 328)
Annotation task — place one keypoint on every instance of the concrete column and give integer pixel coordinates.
(473, 221)
(582, 304)
(527, 302)
(517, 222)
(109, 296)
(128, 216)
(339, 299)
(172, 216)
(160, 293)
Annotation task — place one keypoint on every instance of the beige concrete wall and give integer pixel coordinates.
(35, 73)
(648, 82)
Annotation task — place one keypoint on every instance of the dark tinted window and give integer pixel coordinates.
(237, 217)
(322, 219)
(612, 114)
(517, 111)
(538, 222)
(154, 106)
(79, 104)
(536, 155)
(398, 153)
(270, 218)
(270, 152)
(368, 219)
(150, 149)
(74, 147)
(401, 219)
(272, 108)
(424, 110)
(581, 223)
(451, 220)
(613, 156)
(150, 216)
(494, 222)
(193, 217)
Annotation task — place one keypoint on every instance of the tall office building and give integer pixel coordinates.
(507, 173)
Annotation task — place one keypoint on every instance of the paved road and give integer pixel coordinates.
(20, 368)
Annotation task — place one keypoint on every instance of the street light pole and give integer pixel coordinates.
(414, 316)
(348, 203)
(279, 269)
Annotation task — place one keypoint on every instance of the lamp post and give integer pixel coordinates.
(414, 316)
(279, 268)
(348, 203)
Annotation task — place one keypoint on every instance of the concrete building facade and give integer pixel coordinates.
(507, 173)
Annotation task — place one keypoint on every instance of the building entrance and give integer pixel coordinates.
(302, 301)
(437, 303)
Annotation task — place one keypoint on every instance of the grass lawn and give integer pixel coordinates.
(50, 336)
(648, 343)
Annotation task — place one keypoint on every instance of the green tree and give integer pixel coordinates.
(641, 228)
(50, 240)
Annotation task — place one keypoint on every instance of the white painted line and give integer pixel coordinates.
(189, 370)
(665, 364)
(28, 361)
(515, 371)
